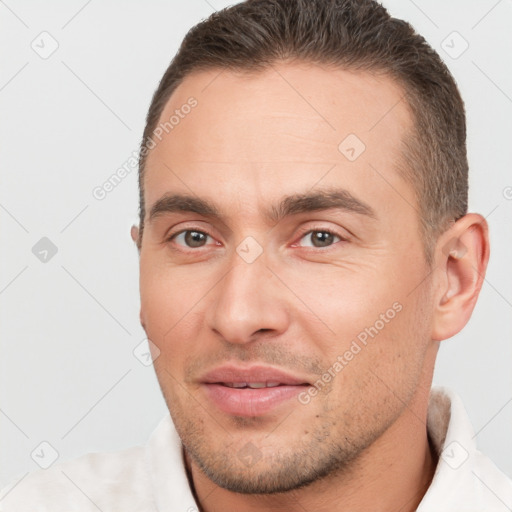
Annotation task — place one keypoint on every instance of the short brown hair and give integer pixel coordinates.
(352, 35)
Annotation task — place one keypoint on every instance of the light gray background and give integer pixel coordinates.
(69, 326)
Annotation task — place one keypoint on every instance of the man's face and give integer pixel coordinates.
(326, 306)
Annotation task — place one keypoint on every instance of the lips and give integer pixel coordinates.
(251, 391)
(251, 375)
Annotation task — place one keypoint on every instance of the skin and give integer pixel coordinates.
(361, 442)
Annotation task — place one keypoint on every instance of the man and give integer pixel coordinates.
(304, 247)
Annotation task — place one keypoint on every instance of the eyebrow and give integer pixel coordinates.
(295, 204)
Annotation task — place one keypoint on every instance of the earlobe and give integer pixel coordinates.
(461, 260)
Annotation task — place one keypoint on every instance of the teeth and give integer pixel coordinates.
(252, 385)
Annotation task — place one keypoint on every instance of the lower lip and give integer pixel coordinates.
(250, 402)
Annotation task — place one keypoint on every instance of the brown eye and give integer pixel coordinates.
(191, 238)
(320, 238)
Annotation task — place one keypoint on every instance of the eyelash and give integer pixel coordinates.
(303, 233)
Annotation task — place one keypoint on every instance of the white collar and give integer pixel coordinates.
(465, 479)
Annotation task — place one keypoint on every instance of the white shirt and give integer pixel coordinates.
(153, 478)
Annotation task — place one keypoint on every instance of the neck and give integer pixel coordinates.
(392, 474)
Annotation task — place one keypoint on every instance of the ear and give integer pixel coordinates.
(134, 232)
(462, 254)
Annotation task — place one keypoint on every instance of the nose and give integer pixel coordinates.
(248, 301)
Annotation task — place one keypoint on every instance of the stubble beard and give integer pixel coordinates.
(322, 455)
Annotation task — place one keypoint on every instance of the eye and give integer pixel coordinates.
(320, 238)
(191, 238)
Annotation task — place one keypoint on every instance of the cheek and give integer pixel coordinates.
(156, 306)
(344, 301)
(377, 369)
(171, 310)
(168, 296)
(365, 322)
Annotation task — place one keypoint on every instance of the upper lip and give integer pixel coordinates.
(236, 374)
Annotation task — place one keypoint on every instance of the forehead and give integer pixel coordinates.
(270, 131)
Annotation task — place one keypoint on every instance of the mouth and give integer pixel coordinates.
(252, 385)
(252, 391)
